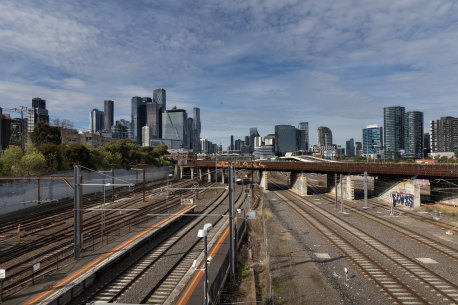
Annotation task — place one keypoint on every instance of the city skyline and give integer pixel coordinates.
(253, 64)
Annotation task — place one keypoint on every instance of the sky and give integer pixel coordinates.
(245, 64)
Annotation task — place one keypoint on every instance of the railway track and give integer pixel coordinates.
(55, 250)
(163, 267)
(402, 279)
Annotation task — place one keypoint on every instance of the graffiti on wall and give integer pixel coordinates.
(402, 198)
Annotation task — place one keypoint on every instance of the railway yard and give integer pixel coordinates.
(303, 249)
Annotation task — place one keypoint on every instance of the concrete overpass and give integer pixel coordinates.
(392, 181)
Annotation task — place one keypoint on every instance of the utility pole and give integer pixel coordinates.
(231, 225)
(365, 189)
(335, 186)
(144, 179)
(112, 183)
(341, 194)
(76, 211)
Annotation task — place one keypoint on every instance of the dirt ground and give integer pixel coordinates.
(292, 277)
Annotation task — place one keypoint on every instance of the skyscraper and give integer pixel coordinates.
(174, 126)
(444, 134)
(393, 137)
(38, 113)
(413, 134)
(285, 139)
(350, 147)
(138, 118)
(159, 96)
(324, 136)
(231, 147)
(196, 129)
(304, 128)
(190, 135)
(153, 118)
(253, 134)
(96, 120)
(372, 140)
(108, 110)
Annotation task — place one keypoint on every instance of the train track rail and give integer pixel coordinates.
(404, 280)
(183, 247)
(55, 251)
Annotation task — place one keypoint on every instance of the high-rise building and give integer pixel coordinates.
(324, 136)
(153, 118)
(253, 134)
(159, 96)
(358, 148)
(147, 135)
(38, 113)
(350, 147)
(393, 137)
(257, 142)
(174, 126)
(231, 147)
(269, 139)
(238, 144)
(138, 118)
(444, 134)
(372, 140)
(196, 129)
(108, 110)
(190, 135)
(304, 128)
(285, 139)
(426, 144)
(413, 134)
(121, 130)
(96, 120)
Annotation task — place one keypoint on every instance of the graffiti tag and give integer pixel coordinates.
(402, 198)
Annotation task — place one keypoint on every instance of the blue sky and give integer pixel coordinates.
(244, 63)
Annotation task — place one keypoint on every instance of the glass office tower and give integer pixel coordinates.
(324, 136)
(413, 135)
(393, 124)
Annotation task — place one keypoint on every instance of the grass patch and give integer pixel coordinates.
(241, 273)
(444, 209)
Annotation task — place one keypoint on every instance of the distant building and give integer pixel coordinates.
(153, 118)
(426, 144)
(159, 96)
(257, 142)
(96, 121)
(350, 147)
(93, 139)
(196, 129)
(121, 130)
(231, 147)
(175, 126)
(38, 113)
(372, 140)
(285, 139)
(147, 135)
(138, 118)
(304, 128)
(358, 148)
(238, 144)
(253, 134)
(264, 152)
(393, 137)
(413, 135)
(108, 110)
(269, 140)
(190, 135)
(324, 136)
(444, 134)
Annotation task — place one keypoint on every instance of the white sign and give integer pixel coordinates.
(36, 266)
(2, 273)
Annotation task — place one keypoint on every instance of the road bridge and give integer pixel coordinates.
(396, 182)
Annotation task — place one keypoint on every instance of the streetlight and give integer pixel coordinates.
(203, 233)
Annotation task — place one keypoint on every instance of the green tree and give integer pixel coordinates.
(53, 156)
(33, 163)
(126, 148)
(77, 154)
(43, 133)
(11, 160)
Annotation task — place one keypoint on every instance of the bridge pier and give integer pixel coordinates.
(200, 174)
(222, 175)
(264, 180)
(209, 175)
(348, 186)
(298, 183)
(192, 173)
(443, 191)
(401, 191)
